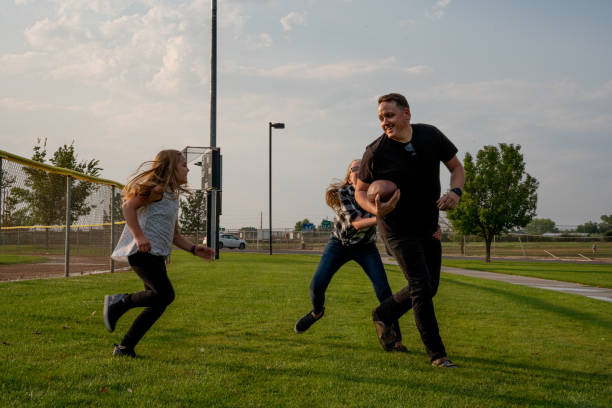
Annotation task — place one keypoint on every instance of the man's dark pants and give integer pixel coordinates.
(420, 261)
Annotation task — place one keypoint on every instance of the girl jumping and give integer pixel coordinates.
(353, 238)
(150, 207)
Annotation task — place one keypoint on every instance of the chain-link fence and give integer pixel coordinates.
(568, 247)
(55, 221)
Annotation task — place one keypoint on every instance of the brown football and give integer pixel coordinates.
(385, 188)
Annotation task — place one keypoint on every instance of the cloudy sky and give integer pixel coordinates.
(124, 79)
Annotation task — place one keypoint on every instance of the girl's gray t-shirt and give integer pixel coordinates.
(157, 221)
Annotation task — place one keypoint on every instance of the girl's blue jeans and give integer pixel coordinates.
(334, 256)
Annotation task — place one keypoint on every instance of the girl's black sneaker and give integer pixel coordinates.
(114, 308)
(123, 351)
(305, 322)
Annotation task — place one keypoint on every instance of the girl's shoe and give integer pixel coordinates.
(305, 322)
(123, 351)
(114, 308)
(443, 362)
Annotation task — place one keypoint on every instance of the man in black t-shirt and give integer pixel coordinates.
(410, 156)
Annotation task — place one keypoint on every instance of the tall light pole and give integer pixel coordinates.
(270, 126)
(212, 196)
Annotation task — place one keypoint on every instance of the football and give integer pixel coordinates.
(385, 188)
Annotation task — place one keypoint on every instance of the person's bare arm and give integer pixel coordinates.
(378, 208)
(202, 251)
(361, 196)
(129, 209)
(360, 222)
(457, 179)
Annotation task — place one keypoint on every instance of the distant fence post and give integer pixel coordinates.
(112, 228)
(68, 223)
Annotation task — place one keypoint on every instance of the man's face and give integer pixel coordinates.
(393, 119)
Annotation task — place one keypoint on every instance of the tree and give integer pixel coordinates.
(45, 193)
(498, 194)
(299, 224)
(606, 224)
(12, 214)
(117, 210)
(539, 226)
(589, 227)
(193, 213)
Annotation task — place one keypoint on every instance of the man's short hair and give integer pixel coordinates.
(399, 99)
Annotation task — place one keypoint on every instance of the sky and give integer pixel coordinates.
(124, 79)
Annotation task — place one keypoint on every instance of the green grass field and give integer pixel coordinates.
(228, 340)
(533, 249)
(586, 274)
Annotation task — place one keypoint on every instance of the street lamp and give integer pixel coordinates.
(270, 126)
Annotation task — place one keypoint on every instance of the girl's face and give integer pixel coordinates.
(182, 170)
(354, 172)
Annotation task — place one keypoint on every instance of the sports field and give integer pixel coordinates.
(228, 340)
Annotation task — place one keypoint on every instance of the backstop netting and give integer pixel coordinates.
(55, 221)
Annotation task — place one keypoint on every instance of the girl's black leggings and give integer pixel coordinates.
(158, 294)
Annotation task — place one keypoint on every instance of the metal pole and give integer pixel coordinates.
(270, 183)
(68, 223)
(213, 74)
(1, 191)
(212, 206)
(112, 228)
(212, 216)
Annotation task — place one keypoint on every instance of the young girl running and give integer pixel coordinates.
(150, 207)
(353, 238)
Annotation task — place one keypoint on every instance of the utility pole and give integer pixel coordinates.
(212, 196)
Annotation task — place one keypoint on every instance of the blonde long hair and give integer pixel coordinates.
(157, 175)
(332, 198)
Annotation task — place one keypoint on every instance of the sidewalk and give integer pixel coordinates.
(592, 292)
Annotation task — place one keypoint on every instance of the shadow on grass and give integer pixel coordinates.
(444, 387)
(539, 304)
(585, 379)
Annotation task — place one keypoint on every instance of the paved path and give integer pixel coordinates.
(593, 292)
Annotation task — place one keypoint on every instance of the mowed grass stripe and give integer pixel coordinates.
(587, 274)
(228, 340)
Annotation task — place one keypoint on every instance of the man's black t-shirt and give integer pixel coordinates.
(415, 168)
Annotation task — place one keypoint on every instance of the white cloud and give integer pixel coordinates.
(419, 69)
(151, 48)
(438, 9)
(557, 106)
(340, 70)
(292, 19)
(258, 41)
(52, 35)
(232, 19)
(169, 77)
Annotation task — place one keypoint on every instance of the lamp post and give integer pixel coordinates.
(270, 126)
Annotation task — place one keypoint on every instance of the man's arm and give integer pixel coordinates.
(457, 179)
(361, 196)
(377, 208)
